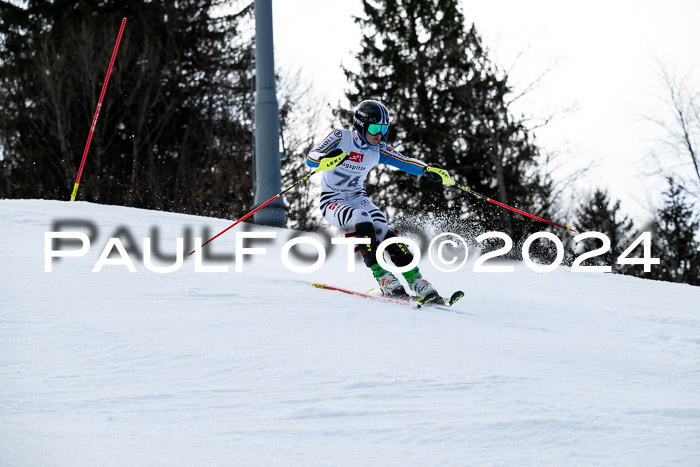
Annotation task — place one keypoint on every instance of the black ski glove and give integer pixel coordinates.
(332, 153)
(432, 176)
(437, 174)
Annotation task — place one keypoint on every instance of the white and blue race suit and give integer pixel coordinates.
(344, 202)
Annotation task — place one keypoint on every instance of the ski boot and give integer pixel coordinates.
(420, 286)
(388, 283)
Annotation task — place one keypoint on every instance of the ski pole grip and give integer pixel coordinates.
(446, 179)
(329, 163)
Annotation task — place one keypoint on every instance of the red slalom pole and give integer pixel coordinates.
(97, 112)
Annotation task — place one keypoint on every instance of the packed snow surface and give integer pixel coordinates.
(259, 368)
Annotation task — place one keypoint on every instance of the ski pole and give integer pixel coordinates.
(326, 163)
(447, 180)
(97, 112)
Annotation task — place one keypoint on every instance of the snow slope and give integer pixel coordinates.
(259, 368)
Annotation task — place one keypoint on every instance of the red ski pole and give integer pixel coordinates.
(97, 112)
(326, 163)
(497, 203)
(447, 180)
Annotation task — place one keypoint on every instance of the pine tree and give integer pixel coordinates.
(448, 105)
(676, 230)
(599, 214)
(174, 129)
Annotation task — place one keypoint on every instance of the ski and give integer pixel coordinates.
(400, 301)
(430, 299)
(448, 302)
(408, 300)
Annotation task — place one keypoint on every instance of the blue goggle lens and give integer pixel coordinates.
(375, 129)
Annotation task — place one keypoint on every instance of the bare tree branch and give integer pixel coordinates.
(679, 122)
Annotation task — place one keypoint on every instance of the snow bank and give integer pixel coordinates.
(259, 368)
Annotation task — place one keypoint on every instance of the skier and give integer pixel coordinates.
(344, 202)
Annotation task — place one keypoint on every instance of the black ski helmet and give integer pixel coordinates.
(372, 117)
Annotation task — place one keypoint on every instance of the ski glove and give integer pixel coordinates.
(333, 158)
(437, 174)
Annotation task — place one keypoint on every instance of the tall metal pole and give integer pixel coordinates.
(267, 127)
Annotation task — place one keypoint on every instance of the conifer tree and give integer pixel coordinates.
(599, 214)
(676, 230)
(174, 129)
(448, 105)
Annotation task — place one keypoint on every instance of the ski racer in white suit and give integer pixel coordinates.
(344, 202)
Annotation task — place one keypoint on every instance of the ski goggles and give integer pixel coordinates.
(375, 128)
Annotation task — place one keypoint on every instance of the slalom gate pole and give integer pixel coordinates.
(447, 180)
(326, 164)
(97, 112)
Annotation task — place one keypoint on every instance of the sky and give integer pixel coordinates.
(599, 61)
